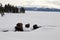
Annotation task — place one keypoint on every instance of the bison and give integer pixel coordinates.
(19, 27)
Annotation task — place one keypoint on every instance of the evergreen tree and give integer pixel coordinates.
(22, 10)
(1, 8)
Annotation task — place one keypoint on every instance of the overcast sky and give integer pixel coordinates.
(34, 3)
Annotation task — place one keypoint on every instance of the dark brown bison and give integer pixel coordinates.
(27, 25)
(19, 27)
(35, 26)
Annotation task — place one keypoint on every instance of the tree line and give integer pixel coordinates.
(11, 9)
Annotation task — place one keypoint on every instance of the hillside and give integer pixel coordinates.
(50, 22)
(42, 9)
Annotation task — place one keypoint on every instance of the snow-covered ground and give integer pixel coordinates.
(50, 22)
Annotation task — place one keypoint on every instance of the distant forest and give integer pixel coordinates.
(11, 9)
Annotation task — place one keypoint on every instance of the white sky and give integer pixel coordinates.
(34, 3)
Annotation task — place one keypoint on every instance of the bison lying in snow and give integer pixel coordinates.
(19, 27)
(27, 25)
(35, 26)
